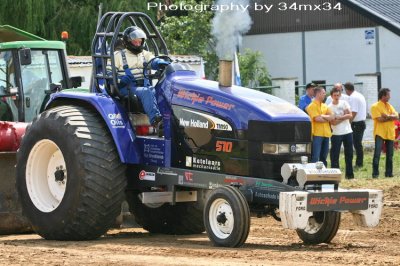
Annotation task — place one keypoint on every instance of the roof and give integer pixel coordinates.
(383, 12)
(32, 45)
(11, 34)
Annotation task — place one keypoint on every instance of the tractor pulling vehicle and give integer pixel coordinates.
(224, 152)
(30, 67)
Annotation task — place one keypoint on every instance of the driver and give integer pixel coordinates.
(130, 61)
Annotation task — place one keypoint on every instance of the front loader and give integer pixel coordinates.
(30, 69)
(225, 152)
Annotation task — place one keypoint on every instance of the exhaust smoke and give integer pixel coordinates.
(227, 29)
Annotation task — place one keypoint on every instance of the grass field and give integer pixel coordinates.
(363, 176)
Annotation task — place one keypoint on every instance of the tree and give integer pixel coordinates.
(253, 71)
(48, 18)
(189, 32)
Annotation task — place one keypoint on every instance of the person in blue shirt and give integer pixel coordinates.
(306, 99)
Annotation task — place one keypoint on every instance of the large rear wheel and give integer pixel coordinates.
(321, 228)
(69, 177)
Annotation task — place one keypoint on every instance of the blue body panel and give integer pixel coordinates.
(116, 119)
(237, 105)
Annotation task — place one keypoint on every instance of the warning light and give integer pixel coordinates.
(64, 35)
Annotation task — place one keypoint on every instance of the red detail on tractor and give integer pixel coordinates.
(142, 174)
(11, 134)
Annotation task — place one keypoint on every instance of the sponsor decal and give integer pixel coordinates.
(234, 180)
(337, 201)
(149, 176)
(153, 151)
(116, 120)
(212, 185)
(197, 98)
(224, 146)
(189, 118)
(265, 195)
(263, 184)
(165, 171)
(189, 176)
(206, 164)
(193, 123)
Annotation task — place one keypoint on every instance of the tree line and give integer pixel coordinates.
(185, 32)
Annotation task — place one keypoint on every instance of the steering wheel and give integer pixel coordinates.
(147, 67)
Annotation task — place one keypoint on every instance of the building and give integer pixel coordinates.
(329, 41)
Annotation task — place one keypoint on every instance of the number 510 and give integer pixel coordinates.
(224, 146)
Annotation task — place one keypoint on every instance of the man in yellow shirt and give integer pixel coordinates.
(384, 115)
(320, 116)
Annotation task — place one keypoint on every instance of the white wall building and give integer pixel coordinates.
(329, 48)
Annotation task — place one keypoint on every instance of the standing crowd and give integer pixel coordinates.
(340, 119)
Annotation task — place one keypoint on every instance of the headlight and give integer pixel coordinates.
(283, 148)
(269, 148)
(301, 148)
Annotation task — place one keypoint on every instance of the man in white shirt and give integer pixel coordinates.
(343, 96)
(341, 132)
(359, 112)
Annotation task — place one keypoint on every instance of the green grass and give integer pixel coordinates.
(363, 175)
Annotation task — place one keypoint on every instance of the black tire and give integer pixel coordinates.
(90, 187)
(183, 218)
(322, 228)
(219, 224)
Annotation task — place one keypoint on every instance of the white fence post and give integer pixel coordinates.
(369, 88)
(286, 88)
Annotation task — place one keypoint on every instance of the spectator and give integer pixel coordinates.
(306, 99)
(358, 107)
(341, 132)
(384, 116)
(320, 116)
(344, 97)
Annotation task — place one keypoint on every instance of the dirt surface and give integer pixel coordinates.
(268, 244)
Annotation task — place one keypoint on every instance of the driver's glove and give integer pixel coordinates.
(158, 62)
(126, 80)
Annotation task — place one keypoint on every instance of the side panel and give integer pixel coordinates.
(113, 115)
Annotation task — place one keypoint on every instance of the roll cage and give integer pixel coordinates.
(108, 35)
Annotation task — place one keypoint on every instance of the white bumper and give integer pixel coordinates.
(297, 206)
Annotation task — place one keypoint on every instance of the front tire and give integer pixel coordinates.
(69, 177)
(321, 228)
(227, 217)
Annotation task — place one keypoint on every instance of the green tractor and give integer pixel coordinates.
(30, 69)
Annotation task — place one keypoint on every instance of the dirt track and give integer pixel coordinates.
(268, 244)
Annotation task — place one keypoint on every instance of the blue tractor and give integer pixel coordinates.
(223, 153)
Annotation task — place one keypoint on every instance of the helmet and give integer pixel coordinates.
(132, 33)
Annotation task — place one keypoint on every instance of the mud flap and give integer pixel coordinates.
(296, 207)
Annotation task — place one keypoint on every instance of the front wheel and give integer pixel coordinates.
(227, 217)
(321, 228)
(69, 177)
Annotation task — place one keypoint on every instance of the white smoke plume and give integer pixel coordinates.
(228, 27)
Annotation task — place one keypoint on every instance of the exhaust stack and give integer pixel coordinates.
(225, 73)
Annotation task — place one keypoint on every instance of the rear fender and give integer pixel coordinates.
(113, 115)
